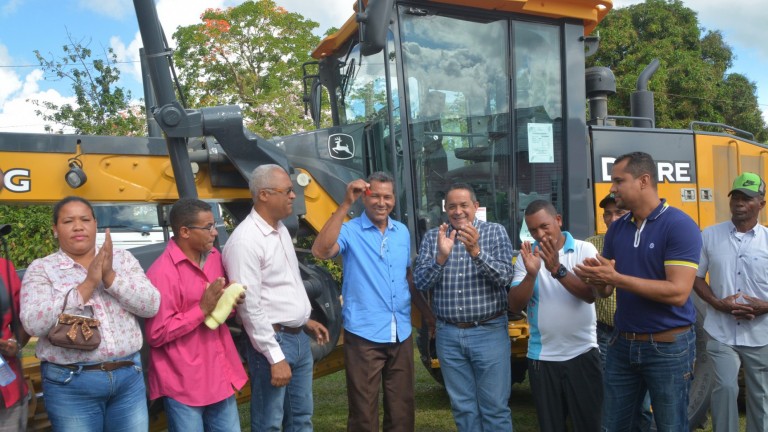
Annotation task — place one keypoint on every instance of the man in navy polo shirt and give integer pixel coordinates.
(651, 256)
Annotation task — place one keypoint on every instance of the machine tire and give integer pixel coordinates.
(427, 352)
(323, 293)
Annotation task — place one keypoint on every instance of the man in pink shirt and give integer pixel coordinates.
(195, 369)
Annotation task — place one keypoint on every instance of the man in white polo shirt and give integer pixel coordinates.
(563, 358)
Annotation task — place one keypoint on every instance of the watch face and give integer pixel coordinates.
(561, 272)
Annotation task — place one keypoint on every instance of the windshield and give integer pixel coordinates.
(129, 217)
(478, 116)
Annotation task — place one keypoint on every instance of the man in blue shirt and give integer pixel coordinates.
(376, 253)
(651, 256)
(466, 265)
(735, 254)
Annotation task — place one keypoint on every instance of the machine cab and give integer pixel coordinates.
(492, 98)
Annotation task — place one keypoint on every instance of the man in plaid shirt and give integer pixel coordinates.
(466, 266)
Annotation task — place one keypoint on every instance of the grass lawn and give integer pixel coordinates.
(433, 410)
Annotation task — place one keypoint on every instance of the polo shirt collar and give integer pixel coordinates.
(366, 223)
(658, 211)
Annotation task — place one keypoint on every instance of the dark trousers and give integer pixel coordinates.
(568, 388)
(370, 365)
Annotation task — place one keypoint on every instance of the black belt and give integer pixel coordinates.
(465, 325)
(668, 335)
(290, 330)
(106, 366)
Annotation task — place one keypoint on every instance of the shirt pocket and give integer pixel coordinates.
(757, 266)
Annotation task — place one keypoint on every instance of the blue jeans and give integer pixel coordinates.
(288, 407)
(95, 401)
(646, 416)
(217, 417)
(476, 368)
(663, 369)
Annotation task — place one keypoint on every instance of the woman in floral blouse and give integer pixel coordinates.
(101, 389)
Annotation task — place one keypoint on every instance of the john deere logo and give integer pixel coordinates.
(341, 146)
(748, 183)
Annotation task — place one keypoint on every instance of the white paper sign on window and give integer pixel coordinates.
(540, 143)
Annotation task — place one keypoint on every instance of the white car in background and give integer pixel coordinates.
(131, 225)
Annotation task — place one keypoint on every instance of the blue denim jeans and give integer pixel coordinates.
(663, 369)
(476, 368)
(646, 416)
(288, 407)
(217, 417)
(95, 401)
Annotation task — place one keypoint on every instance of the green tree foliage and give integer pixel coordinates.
(101, 106)
(691, 83)
(249, 55)
(32, 236)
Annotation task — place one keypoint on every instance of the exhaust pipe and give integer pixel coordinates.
(600, 83)
(641, 100)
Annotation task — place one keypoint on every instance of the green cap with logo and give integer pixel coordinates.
(750, 184)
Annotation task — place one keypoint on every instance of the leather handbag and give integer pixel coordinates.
(75, 331)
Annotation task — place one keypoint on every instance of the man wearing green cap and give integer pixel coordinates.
(735, 254)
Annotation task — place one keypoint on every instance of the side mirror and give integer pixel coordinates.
(315, 101)
(373, 22)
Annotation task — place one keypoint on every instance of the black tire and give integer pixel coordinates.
(427, 352)
(323, 293)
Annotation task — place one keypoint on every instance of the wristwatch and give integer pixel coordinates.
(560, 273)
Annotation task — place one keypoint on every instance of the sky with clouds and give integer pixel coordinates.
(46, 25)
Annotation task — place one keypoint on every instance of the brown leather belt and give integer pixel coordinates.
(662, 336)
(106, 366)
(465, 325)
(290, 330)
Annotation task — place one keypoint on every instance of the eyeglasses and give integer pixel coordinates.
(209, 227)
(280, 190)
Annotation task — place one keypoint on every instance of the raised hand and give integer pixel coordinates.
(355, 189)
(469, 236)
(106, 252)
(596, 271)
(531, 258)
(549, 254)
(444, 243)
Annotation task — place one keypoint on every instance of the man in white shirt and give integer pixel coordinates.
(563, 358)
(260, 255)
(735, 253)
